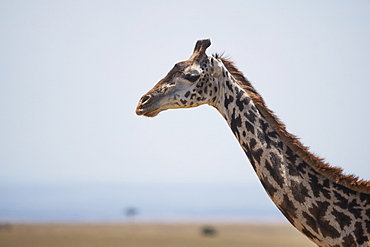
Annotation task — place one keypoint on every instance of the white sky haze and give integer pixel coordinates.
(72, 72)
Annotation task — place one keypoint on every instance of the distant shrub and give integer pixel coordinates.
(5, 227)
(208, 231)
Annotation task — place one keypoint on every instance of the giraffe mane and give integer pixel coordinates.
(318, 164)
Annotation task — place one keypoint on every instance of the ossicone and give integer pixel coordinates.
(200, 48)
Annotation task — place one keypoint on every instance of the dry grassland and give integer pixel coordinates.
(150, 235)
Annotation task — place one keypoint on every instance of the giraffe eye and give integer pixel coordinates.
(192, 77)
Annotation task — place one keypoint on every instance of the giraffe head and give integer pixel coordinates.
(188, 84)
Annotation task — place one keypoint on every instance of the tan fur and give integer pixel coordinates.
(333, 173)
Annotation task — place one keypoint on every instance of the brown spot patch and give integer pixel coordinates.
(342, 219)
(318, 212)
(299, 191)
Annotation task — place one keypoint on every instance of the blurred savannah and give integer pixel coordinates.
(150, 235)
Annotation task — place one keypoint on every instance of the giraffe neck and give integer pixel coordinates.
(328, 213)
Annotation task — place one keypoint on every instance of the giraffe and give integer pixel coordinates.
(327, 206)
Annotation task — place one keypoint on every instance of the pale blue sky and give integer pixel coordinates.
(72, 72)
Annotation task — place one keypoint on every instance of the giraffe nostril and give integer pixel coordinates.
(145, 99)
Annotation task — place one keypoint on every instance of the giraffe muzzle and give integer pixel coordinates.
(147, 106)
(142, 103)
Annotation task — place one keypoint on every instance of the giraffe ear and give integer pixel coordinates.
(200, 48)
